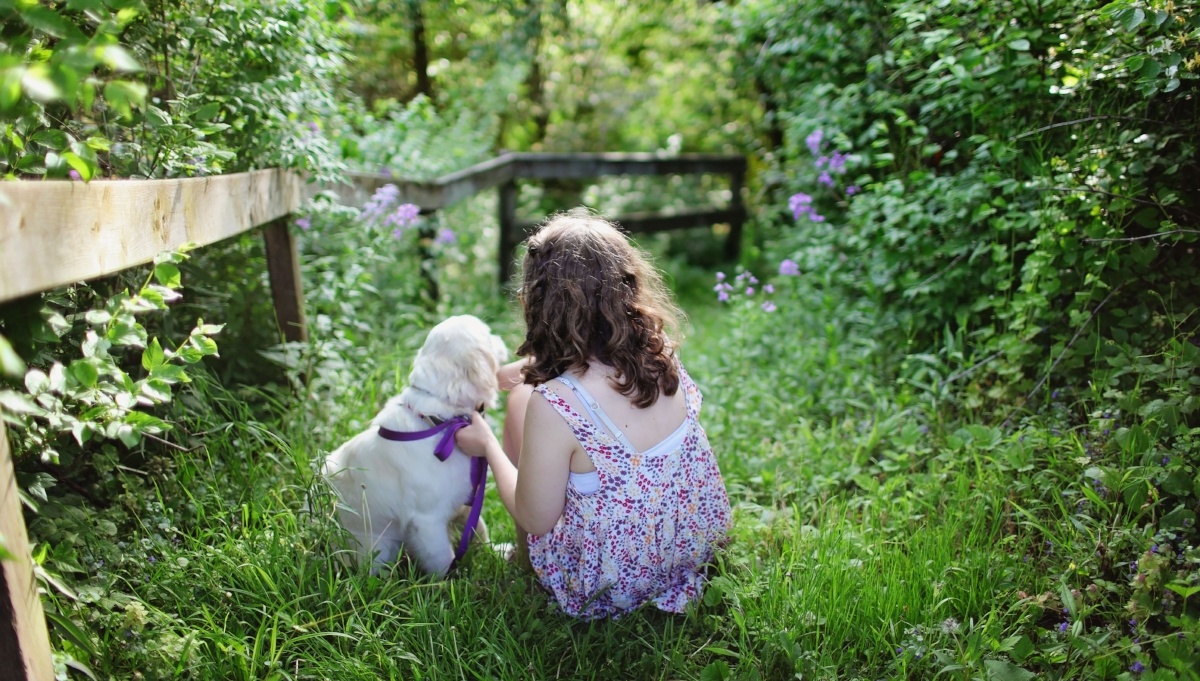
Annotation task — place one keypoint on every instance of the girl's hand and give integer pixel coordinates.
(509, 375)
(477, 438)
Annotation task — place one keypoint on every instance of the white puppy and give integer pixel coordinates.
(397, 495)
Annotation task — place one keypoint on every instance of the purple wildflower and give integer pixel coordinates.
(814, 142)
(404, 216)
(825, 178)
(720, 276)
(445, 236)
(406, 213)
(313, 126)
(769, 288)
(768, 306)
(800, 203)
(749, 290)
(381, 202)
(304, 223)
(722, 296)
(788, 268)
(852, 190)
(74, 174)
(1062, 628)
(837, 162)
(1137, 667)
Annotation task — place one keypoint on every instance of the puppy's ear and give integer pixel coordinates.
(477, 382)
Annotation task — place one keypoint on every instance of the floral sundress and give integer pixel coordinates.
(645, 529)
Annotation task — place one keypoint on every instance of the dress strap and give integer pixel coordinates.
(594, 410)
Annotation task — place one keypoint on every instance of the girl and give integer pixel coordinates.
(605, 465)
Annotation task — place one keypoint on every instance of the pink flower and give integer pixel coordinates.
(788, 268)
(74, 174)
(768, 306)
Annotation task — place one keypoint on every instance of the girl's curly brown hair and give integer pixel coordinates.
(590, 295)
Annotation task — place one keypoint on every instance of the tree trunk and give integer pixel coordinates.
(420, 50)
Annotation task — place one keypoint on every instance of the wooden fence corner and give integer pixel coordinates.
(24, 639)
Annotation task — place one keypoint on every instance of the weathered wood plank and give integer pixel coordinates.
(647, 223)
(59, 232)
(24, 639)
(449, 189)
(287, 288)
(550, 166)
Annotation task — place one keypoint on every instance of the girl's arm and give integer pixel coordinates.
(536, 497)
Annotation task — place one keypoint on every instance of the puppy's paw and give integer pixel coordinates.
(505, 549)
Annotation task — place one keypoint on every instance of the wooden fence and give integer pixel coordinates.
(57, 233)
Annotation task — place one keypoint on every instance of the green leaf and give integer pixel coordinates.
(118, 59)
(167, 275)
(1130, 18)
(1020, 45)
(146, 423)
(128, 435)
(10, 361)
(37, 84)
(17, 403)
(206, 112)
(152, 356)
(715, 671)
(1002, 670)
(85, 169)
(170, 373)
(206, 346)
(1183, 589)
(10, 86)
(159, 391)
(84, 372)
(48, 21)
(71, 632)
(36, 382)
(124, 95)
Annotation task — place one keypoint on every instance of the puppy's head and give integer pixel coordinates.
(458, 363)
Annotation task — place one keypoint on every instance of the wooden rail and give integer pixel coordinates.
(57, 233)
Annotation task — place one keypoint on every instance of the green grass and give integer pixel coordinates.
(880, 532)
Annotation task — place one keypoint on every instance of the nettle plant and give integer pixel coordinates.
(97, 396)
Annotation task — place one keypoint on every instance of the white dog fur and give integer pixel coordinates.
(397, 496)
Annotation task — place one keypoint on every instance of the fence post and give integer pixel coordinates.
(283, 269)
(733, 242)
(509, 238)
(24, 639)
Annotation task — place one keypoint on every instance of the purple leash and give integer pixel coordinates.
(443, 450)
